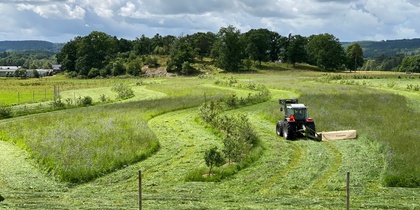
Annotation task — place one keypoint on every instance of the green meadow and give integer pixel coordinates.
(88, 157)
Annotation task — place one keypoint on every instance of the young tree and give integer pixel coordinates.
(213, 157)
(354, 56)
(325, 51)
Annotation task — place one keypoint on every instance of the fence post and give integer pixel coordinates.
(205, 98)
(140, 196)
(348, 191)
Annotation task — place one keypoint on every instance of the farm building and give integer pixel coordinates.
(56, 68)
(6, 70)
(10, 71)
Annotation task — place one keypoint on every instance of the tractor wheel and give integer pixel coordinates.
(288, 131)
(279, 128)
(311, 127)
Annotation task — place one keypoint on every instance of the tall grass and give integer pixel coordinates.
(17, 91)
(382, 117)
(79, 145)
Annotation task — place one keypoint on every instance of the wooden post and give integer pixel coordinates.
(205, 100)
(33, 96)
(348, 191)
(140, 196)
(18, 97)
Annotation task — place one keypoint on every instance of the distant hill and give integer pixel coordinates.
(30, 45)
(389, 47)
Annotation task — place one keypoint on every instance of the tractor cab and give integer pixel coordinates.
(297, 111)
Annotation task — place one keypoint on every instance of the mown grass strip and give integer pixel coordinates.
(333, 168)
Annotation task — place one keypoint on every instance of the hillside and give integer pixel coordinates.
(30, 45)
(389, 47)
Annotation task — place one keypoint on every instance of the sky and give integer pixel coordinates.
(60, 21)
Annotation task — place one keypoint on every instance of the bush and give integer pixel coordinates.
(123, 90)
(57, 103)
(413, 87)
(151, 61)
(87, 100)
(103, 98)
(94, 72)
(36, 73)
(5, 112)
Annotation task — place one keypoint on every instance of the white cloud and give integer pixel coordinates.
(348, 20)
(63, 11)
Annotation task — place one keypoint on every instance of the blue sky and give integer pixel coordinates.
(348, 20)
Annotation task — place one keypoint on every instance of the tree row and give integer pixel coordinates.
(99, 54)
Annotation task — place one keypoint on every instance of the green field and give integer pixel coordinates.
(89, 157)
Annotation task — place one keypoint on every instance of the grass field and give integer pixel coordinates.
(288, 174)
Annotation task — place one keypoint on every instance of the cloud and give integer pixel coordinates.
(346, 19)
(62, 11)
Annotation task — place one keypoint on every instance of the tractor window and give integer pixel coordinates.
(300, 114)
(289, 112)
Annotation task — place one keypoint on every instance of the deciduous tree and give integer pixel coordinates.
(213, 157)
(354, 56)
(325, 51)
(229, 49)
(296, 49)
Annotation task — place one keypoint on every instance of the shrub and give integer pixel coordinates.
(103, 98)
(151, 61)
(413, 87)
(123, 90)
(57, 103)
(94, 72)
(87, 100)
(391, 84)
(36, 73)
(5, 112)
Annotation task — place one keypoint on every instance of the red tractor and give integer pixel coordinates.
(296, 122)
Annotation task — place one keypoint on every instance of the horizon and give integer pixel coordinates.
(190, 34)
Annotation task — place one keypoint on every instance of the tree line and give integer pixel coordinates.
(99, 54)
(28, 59)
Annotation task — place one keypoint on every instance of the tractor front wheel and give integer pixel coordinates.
(288, 131)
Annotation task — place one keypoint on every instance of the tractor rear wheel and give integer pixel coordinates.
(279, 128)
(288, 131)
